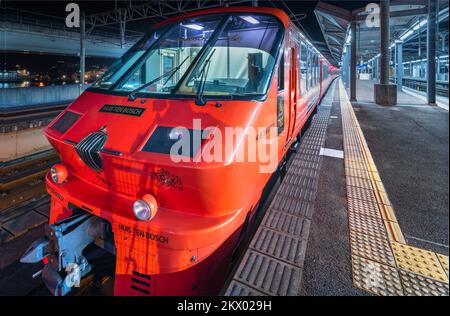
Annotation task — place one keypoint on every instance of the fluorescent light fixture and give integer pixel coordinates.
(406, 35)
(194, 26)
(250, 19)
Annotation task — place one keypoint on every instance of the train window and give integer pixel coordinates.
(281, 72)
(316, 69)
(310, 66)
(162, 57)
(224, 54)
(240, 62)
(303, 69)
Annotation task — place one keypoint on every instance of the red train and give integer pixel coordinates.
(173, 224)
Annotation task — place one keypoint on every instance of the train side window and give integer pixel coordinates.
(281, 72)
(303, 69)
(310, 65)
(316, 69)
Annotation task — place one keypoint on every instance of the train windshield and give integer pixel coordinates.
(215, 55)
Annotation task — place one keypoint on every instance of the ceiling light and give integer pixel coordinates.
(194, 26)
(250, 19)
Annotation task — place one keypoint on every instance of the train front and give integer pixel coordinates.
(133, 181)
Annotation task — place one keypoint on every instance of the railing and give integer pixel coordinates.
(421, 85)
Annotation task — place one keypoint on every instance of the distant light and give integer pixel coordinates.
(196, 27)
(250, 19)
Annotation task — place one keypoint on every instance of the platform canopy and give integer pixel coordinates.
(407, 23)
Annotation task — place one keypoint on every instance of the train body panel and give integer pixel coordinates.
(108, 142)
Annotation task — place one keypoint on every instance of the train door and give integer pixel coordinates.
(293, 91)
(281, 97)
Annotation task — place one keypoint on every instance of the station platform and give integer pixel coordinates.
(332, 228)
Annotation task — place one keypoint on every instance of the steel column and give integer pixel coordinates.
(399, 66)
(82, 50)
(384, 48)
(431, 52)
(346, 65)
(353, 62)
(378, 68)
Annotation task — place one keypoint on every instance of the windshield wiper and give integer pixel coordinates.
(170, 73)
(199, 100)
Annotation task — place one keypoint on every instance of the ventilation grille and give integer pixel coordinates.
(141, 282)
(65, 121)
(89, 150)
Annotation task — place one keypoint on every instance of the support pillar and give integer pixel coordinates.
(399, 62)
(384, 40)
(346, 66)
(353, 62)
(82, 50)
(431, 53)
(384, 92)
(377, 73)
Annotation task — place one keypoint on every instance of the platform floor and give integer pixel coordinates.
(356, 242)
(410, 146)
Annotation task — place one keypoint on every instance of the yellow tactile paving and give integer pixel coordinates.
(373, 221)
(376, 278)
(419, 261)
(394, 232)
(444, 262)
(387, 213)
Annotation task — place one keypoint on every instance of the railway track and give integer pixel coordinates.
(421, 85)
(32, 113)
(22, 179)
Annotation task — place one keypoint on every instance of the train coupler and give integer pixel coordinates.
(63, 246)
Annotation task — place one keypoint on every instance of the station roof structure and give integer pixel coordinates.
(325, 23)
(407, 23)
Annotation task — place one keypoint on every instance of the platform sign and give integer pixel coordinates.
(362, 66)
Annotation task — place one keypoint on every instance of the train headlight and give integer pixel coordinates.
(145, 209)
(58, 173)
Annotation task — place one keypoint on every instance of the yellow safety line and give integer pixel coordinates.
(416, 260)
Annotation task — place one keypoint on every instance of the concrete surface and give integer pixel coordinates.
(409, 144)
(385, 94)
(327, 269)
(14, 98)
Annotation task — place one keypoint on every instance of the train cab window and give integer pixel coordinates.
(217, 54)
(240, 62)
(281, 72)
(162, 57)
(303, 69)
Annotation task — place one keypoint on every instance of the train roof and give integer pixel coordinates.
(280, 14)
